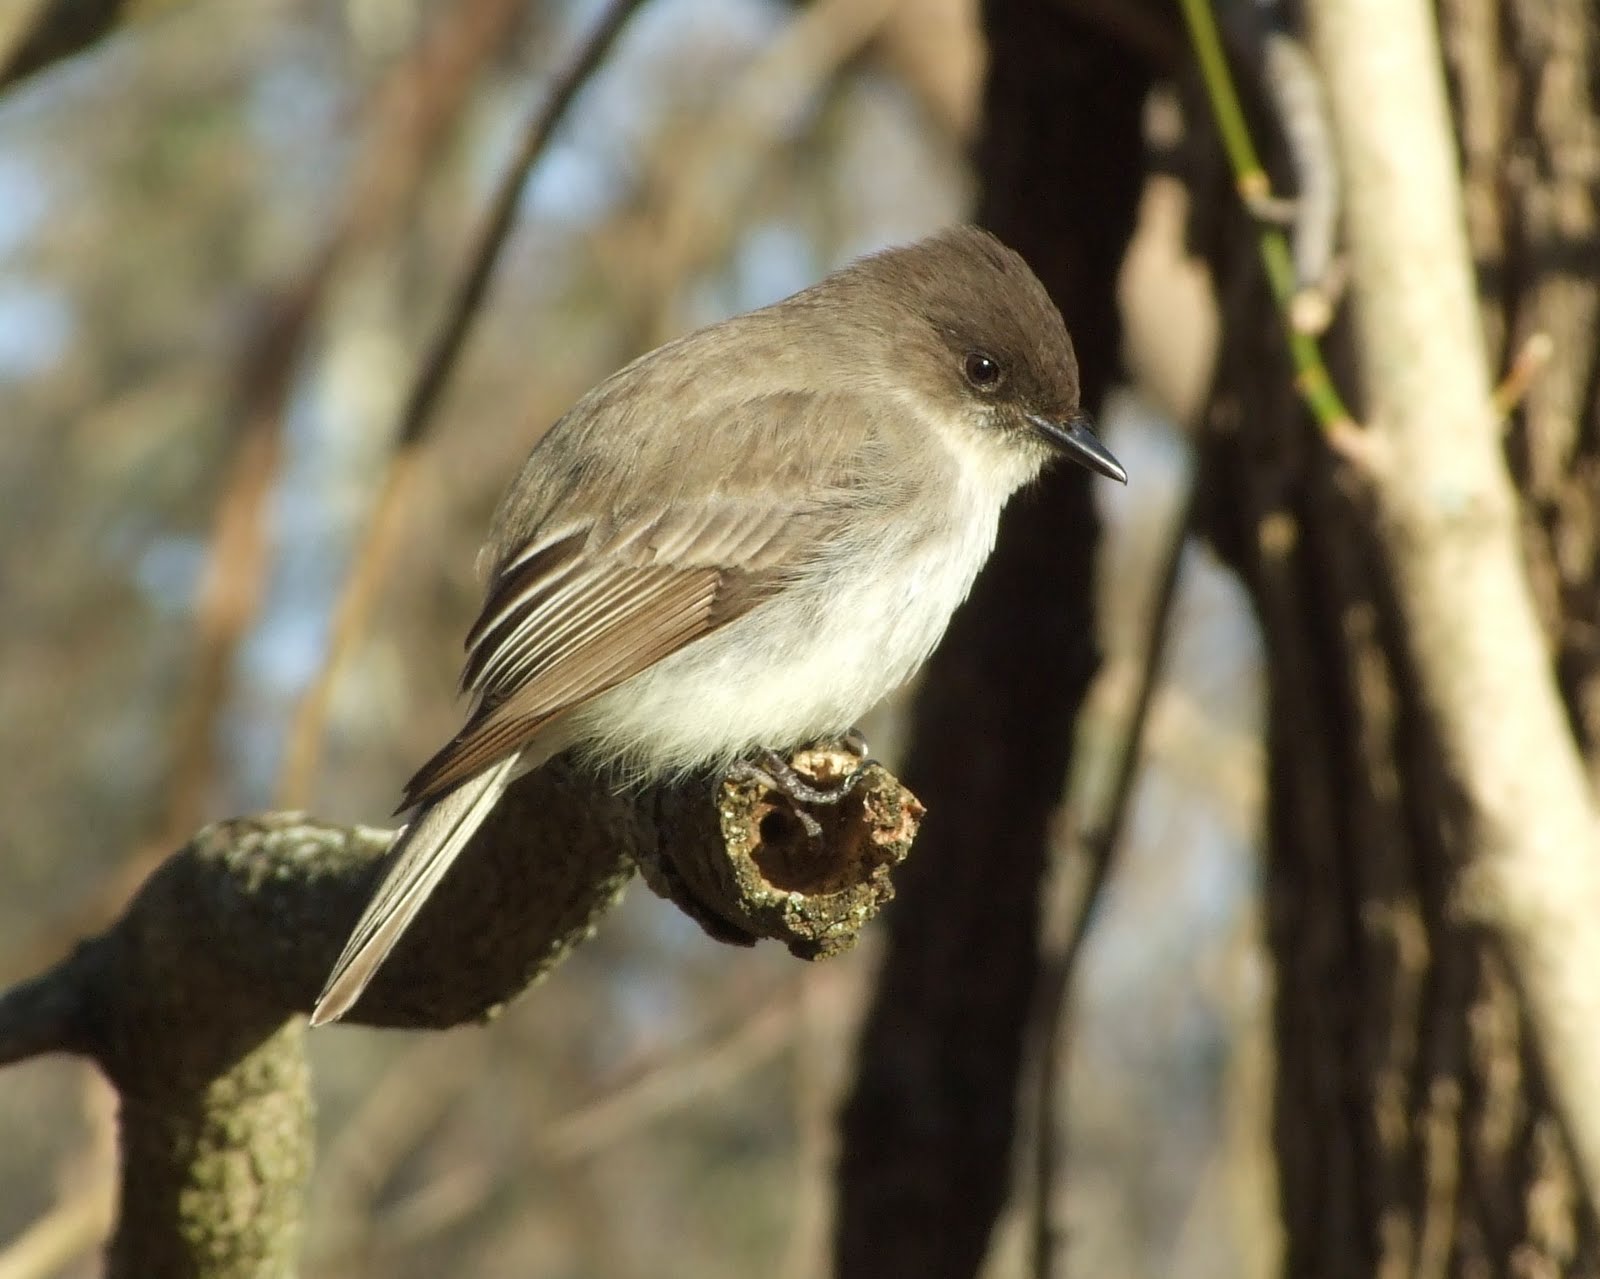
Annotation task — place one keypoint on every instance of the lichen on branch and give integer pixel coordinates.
(191, 1002)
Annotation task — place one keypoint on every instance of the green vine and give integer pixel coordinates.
(1312, 379)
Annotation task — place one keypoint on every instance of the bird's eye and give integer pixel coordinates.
(982, 370)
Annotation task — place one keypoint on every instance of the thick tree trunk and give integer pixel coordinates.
(1415, 1133)
(927, 1133)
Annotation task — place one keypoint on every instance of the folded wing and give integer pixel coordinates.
(576, 614)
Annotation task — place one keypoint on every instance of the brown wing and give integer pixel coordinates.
(572, 616)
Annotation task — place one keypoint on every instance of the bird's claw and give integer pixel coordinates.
(777, 774)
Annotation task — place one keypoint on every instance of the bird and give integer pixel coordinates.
(744, 539)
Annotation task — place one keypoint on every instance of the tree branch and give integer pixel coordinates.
(1450, 525)
(44, 32)
(928, 1131)
(190, 1003)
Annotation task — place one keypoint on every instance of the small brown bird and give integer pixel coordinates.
(744, 539)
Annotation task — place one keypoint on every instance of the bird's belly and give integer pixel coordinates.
(806, 664)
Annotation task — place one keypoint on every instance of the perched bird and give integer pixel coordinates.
(744, 539)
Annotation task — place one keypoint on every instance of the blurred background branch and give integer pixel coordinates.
(371, 557)
(406, 121)
(36, 33)
(1074, 889)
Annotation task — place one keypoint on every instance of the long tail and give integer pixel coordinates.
(418, 859)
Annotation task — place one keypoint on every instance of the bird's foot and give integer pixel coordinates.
(776, 773)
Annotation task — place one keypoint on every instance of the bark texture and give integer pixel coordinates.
(1415, 1129)
(191, 1002)
(927, 1131)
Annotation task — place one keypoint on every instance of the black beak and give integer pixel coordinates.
(1076, 438)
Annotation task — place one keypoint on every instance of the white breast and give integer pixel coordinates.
(809, 662)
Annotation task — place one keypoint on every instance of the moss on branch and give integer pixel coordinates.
(191, 1002)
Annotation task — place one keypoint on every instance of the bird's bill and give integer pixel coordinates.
(1076, 438)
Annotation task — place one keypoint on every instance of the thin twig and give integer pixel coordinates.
(75, 1224)
(21, 26)
(41, 33)
(1097, 850)
(399, 1109)
(695, 1071)
(1292, 85)
(302, 753)
(372, 558)
(485, 256)
(1531, 358)
(1312, 379)
(85, 1208)
(702, 1071)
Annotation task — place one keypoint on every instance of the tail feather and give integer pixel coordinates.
(421, 854)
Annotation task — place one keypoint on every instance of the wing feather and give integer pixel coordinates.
(576, 608)
(550, 650)
(531, 646)
(519, 587)
(674, 612)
